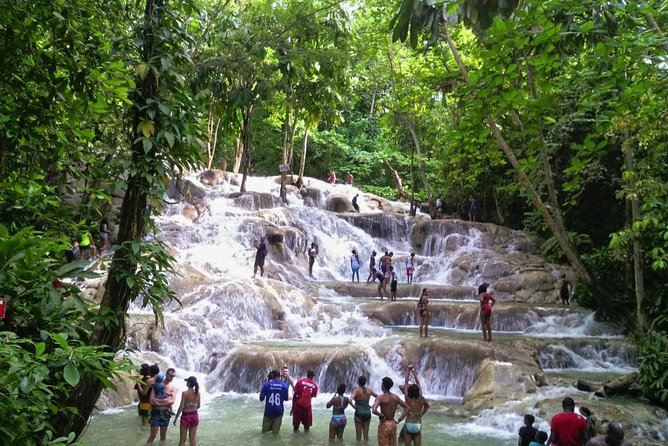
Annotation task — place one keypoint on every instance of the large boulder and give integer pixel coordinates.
(340, 203)
(498, 382)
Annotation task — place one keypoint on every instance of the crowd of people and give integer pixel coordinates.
(157, 396)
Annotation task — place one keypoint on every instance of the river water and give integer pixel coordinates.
(232, 328)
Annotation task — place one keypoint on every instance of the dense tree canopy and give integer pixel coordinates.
(551, 113)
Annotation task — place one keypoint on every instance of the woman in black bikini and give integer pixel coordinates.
(359, 400)
(423, 308)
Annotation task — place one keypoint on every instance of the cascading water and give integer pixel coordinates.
(232, 329)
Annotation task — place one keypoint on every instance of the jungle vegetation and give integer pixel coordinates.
(552, 113)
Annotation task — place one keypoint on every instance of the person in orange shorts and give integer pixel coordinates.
(385, 407)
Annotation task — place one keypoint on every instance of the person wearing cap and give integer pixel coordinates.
(260, 255)
(305, 390)
(275, 392)
(190, 402)
(568, 428)
(614, 437)
(161, 407)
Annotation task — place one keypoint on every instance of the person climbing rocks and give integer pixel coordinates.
(382, 283)
(355, 205)
(260, 255)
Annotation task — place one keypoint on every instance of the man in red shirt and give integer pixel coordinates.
(568, 428)
(305, 389)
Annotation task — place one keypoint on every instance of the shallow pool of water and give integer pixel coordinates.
(236, 420)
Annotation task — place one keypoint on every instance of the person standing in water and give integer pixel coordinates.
(305, 390)
(142, 392)
(312, 254)
(393, 283)
(359, 400)
(338, 403)
(385, 408)
(190, 402)
(372, 267)
(260, 255)
(417, 407)
(331, 176)
(487, 301)
(275, 391)
(423, 310)
(355, 205)
(410, 267)
(565, 289)
(355, 265)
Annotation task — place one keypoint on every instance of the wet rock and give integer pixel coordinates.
(340, 203)
(498, 382)
(190, 212)
(255, 201)
(210, 178)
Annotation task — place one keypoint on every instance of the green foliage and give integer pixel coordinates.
(653, 363)
(44, 348)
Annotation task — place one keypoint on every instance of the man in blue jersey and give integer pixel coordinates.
(276, 392)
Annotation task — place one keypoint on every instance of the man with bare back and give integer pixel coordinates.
(387, 402)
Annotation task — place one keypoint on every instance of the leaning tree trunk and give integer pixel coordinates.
(109, 329)
(557, 230)
(396, 179)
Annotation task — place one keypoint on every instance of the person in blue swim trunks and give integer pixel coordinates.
(338, 403)
(417, 407)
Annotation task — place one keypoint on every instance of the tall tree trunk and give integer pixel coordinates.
(109, 330)
(238, 154)
(302, 162)
(212, 127)
(410, 125)
(558, 231)
(246, 132)
(632, 197)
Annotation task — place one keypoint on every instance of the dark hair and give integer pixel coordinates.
(541, 436)
(153, 370)
(387, 383)
(361, 381)
(341, 389)
(274, 374)
(191, 382)
(373, 253)
(483, 288)
(413, 391)
(143, 369)
(529, 419)
(310, 374)
(568, 403)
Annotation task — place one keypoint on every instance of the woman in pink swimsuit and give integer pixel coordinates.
(190, 402)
